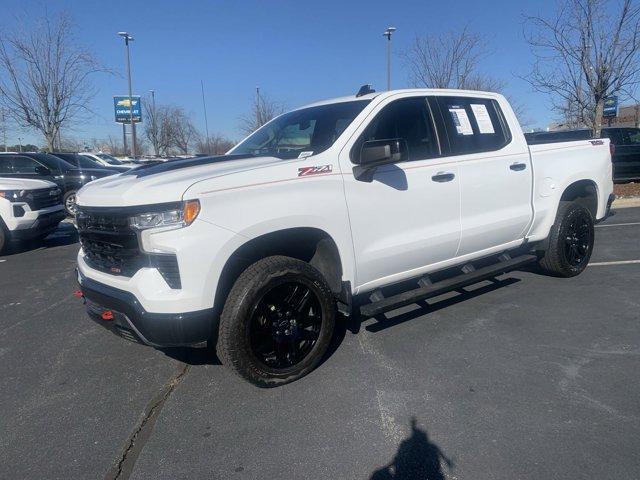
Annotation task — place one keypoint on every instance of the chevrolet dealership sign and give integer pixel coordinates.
(123, 106)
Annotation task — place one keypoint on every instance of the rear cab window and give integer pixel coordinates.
(473, 125)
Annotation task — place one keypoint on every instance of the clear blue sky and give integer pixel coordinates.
(296, 51)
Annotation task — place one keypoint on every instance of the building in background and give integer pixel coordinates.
(628, 116)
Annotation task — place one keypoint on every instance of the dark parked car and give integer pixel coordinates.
(626, 142)
(44, 166)
(626, 157)
(80, 161)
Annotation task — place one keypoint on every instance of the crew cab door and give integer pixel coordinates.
(495, 172)
(408, 216)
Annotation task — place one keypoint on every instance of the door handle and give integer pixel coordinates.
(518, 166)
(442, 177)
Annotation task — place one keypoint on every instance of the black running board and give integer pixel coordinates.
(444, 286)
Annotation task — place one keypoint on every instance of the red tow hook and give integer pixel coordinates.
(107, 315)
(79, 294)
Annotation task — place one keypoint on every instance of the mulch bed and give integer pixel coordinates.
(623, 190)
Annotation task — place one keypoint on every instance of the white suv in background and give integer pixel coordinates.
(29, 209)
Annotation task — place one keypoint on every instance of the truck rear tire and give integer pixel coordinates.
(3, 237)
(571, 241)
(277, 321)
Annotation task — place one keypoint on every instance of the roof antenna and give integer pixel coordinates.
(365, 90)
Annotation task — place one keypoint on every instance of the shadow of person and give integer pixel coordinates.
(417, 458)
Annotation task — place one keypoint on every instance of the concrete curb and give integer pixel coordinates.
(627, 202)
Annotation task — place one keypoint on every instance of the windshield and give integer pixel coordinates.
(109, 159)
(302, 132)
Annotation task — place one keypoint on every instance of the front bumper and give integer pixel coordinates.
(127, 318)
(43, 224)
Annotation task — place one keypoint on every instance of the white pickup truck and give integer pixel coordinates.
(29, 209)
(255, 251)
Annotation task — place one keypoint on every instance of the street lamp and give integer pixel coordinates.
(387, 33)
(128, 38)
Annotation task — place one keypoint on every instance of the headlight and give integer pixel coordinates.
(177, 217)
(13, 195)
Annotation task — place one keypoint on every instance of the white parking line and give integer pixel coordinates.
(620, 262)
(618, 224)
(1, 261)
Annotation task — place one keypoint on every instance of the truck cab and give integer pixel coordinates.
(256, 250)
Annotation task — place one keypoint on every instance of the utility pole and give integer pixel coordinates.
(206, 122)
(4, 129)
(20, 143)
(128, 38)
(387, 33)
(124, 139)
(258, 122)
(153, 118)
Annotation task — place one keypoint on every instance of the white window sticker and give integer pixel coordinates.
(461, 121)
(482, 118)
(305, 154)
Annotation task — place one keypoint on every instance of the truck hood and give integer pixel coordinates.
(24, 184)
(164, 182)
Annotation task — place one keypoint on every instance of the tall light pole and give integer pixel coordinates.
(128, 38)
(387, 33)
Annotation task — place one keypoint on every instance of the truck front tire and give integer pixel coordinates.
(277, 321)
(571, 241)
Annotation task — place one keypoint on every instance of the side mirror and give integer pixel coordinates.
(375, 153)
(43, 171)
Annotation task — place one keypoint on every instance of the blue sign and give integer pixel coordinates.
(610, 107)
(122, 107)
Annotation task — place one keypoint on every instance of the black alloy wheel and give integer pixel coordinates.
(578, 239)
(277, 321)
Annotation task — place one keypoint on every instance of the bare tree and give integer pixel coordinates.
(586, 52)
(45, 81)
(152, 127)
(182, 130)
(451, 60)
(263, 109)
(114, 146)
(217, 145)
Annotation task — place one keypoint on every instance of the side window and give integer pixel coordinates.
(630, 136)
(474, 124)
(634, 137)
(24, 165)
(409, 119)
(5, 164)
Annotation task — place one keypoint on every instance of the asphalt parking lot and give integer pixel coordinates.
(527, 377)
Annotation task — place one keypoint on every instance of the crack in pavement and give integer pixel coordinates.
(122, 469)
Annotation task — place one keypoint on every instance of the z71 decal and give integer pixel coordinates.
(317, 170)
